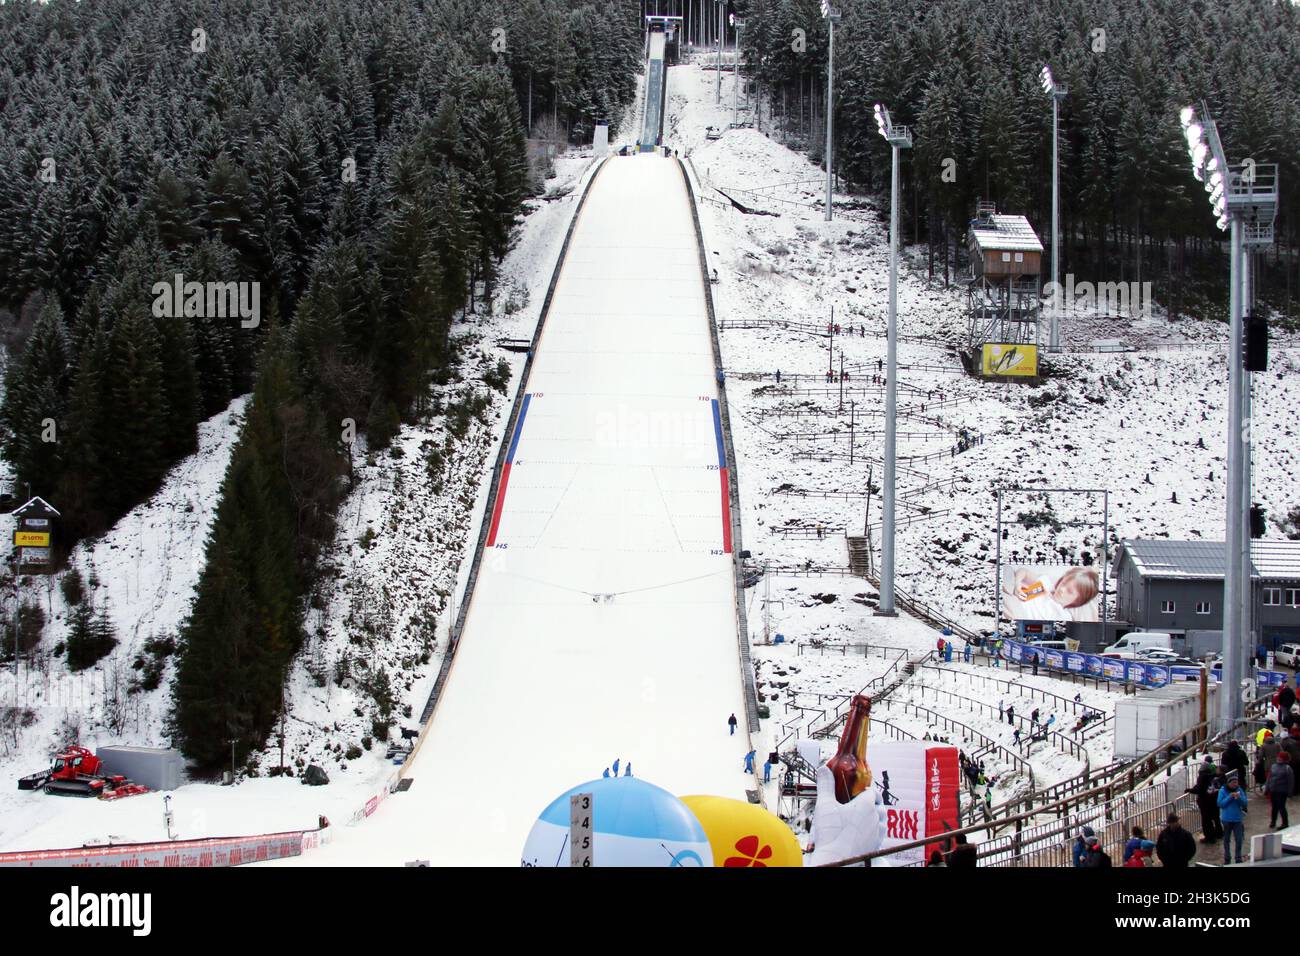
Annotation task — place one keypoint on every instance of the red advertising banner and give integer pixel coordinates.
(942, 784)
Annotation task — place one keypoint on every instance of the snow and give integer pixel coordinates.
(149, 564)
(605, 625)
(603, 622)
(146, 566)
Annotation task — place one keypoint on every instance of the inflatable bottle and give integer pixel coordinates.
(849, 765)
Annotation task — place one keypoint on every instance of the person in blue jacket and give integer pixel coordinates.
(1080, 852)
(627, 771)
(606, 773)
(966, 653)
(1134, 844)
(616, 766)
(749, 761)
(947, 652)
(767, 771)
(1232, 813)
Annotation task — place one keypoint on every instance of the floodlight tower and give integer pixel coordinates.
(737, 24)
(1244, 200)
(831, 15)
(722, 7)
(898, 138)
(1057, 92)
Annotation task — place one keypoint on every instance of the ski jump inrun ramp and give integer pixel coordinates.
(656, 87)
(603, 622)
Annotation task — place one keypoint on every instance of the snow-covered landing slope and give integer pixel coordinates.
(603, 622)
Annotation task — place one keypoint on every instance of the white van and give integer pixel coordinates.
(1128, 646)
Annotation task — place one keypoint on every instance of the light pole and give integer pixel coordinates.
(898, 138)
(1244, 199)
(832, 16)
(738, 25)
(722, 6)
(1057, 92)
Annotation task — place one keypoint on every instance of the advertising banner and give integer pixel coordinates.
(231, 851)
(1015, 360)
(1113, 669)
(917, 786)
(31, 539)
(1075, 663)
(1051, 593)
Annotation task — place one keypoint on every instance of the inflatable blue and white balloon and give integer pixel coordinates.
(635, 824)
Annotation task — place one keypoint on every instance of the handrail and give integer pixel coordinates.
(1073, 747)
(1064, 701)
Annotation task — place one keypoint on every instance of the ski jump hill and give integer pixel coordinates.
(603, 620)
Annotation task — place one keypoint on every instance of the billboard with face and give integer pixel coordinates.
(1051, 593)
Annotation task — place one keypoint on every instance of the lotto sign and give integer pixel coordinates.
(31, 539)
(1010, 360)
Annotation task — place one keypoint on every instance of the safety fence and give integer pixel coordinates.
(1013, 687)
(804, 532)
(212, 852)
(1059, 740)
(886, 651)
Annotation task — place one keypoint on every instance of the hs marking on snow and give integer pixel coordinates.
(209, 300)
(103, 909)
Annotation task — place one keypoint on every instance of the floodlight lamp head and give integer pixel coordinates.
(1046, 78)
(1185, 116)
(882, 120)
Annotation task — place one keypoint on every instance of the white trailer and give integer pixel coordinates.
(1152, 717)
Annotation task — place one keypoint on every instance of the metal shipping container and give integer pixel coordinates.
(1149, 718)
(153, 767)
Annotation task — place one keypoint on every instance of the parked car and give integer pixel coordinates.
(1158, 655)
(1128, 646)
(1286, 655)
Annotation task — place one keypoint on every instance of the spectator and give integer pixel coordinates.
(1232, 811)
(1285, 700)
(1235, 759)
(1011, 715)
(1175, 846)
(1095, 857)
(936, 859)
(963, 855)
(1206, 790)
(1265, 756)
(1080, 851)
(966, 653)
(1269, 728)
(1291, 744)
(1142, 856)
(731, 722)
(1281, 781)
(1136, 839)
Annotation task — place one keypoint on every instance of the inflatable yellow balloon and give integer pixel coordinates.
(743, 834)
